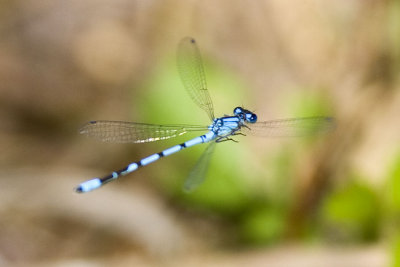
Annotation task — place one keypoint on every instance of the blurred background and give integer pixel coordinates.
(330, 200)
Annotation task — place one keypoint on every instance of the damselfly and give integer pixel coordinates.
(242, 122)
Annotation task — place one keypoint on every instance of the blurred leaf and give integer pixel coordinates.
(263, 226)
(396, 252)
(393, 187)
(392, 199)
(166, 101)
(309, 103)
(351, 213)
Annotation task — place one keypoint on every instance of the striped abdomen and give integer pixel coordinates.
(97, 182)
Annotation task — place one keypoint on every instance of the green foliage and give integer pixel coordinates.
(393, 188)
(392, 209)
(166, 101)
(259, 213)
(396, 252)
(282, 166)
(351, 213)
(262, 226)
(309, 103)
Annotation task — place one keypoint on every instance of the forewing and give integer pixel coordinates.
(133, 132)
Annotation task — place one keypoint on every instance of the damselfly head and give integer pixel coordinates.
(245, 114)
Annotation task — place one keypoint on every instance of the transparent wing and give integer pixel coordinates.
(291, 127)
(191, 70)
(199, 171)
(132, 132)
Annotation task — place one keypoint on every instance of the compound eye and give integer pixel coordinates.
(252, 118)
(237, 110)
